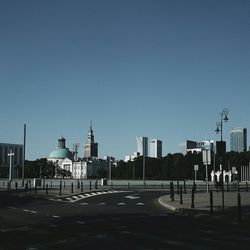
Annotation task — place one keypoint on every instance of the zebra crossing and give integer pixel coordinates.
(78, 197)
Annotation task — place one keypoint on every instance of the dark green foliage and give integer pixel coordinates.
(176, 166)
(40, 168)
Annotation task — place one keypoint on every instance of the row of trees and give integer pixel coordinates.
(41, 168)
(171, 167)
(178, 166)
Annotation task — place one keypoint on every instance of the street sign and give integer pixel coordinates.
(206, 156)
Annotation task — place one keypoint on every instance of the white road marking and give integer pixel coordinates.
(80, 222)
(102, 204)
(84, 203)
(121, 204)
(15, 229)
(140, 204)
(132, 197)
(78, 197)
(56, 216)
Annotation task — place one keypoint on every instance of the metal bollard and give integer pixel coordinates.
(211, 202)
(111, 185)
(227, 186)
(90, 184)
(192, 201)
(194, 187)
(72, 188)
(47, 188)
(60, 188)
(8, 186)
(81, 186)
(246, 186)
(239, 208)
(64, 185)
(129, 186)
(185, 190)
(35, 189)
(181, 199)
(16, 185)
(96, 186)
(145, 185)
(78, 184)
(178, 188)
(161, 185)
(172, 191)
(51, 185)
(222, 198)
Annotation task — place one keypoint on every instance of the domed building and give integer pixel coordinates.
(60, 153)
(64, 159)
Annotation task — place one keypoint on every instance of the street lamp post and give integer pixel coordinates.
(143, 144)
(219, 124)
(11, 154)
(219, 129)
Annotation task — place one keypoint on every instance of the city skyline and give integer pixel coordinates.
(162, 69)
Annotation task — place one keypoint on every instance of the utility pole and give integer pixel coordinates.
(24, 145)
(11, 154)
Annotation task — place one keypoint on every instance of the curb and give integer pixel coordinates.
(170, 207)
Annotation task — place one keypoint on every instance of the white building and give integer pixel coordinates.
(156, 148)
(131, 157)
(142, 145)
(64, 159)
(193, 146)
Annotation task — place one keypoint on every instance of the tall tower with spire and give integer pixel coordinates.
(90, 147)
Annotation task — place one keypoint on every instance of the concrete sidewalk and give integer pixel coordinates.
(202, 202)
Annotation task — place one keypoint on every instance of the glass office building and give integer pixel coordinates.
(238, 139)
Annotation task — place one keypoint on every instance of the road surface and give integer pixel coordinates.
(111, 220)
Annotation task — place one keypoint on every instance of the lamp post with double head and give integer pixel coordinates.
(221, 146)
(219, 124)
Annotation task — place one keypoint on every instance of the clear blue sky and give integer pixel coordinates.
(158, 68)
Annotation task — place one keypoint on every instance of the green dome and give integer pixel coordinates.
(61, 153)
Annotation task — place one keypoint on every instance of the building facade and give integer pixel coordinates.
(238, 139)
(90, 147)
(156, 148)
(187, 145)
(193, 146)
(142, 146)
(17, 159)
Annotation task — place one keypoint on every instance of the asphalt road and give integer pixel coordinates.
(122, 220)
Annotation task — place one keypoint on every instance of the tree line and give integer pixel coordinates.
(178, 166)
(171, 167)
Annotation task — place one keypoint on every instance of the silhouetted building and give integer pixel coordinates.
(17, 159)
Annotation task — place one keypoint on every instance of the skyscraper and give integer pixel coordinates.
(238, 139)
(156, 148)
(142, 145)
(90, 147)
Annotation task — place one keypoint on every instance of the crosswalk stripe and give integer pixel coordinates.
(78, 197)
